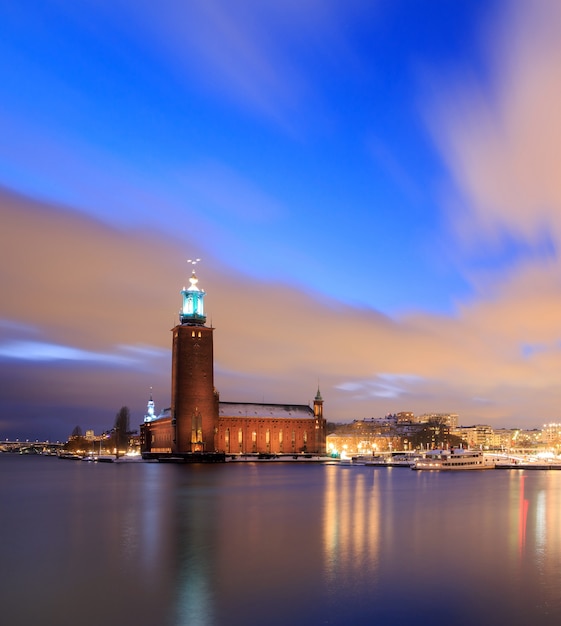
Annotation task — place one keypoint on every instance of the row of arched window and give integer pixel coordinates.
(240, 442)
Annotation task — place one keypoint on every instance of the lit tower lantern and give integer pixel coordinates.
(194, 403)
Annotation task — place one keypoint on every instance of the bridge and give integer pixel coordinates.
(30, 447)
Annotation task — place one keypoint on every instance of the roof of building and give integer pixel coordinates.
(254, 409)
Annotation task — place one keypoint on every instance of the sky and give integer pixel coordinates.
(373, 188)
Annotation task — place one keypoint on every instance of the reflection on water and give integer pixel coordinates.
(542, 549)
(523, 514)
(276, 544)
(351, 524)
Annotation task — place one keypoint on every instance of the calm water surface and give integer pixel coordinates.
(289, 544)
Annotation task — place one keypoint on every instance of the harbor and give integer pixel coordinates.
(458, 460)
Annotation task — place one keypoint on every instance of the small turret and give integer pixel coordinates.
(318, 405)
(150, 409)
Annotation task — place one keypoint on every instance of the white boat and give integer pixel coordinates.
(529, 464)
(377, 461)
(364, 459)
(455, 459)
(406, 459)
(398, 459)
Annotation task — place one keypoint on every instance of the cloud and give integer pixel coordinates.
(502, 143)
(227, 195)
(203, 196)
(108, 297)
(37, 351)
(260, 56)
(381, 386)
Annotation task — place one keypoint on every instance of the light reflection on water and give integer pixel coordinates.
(276, 544)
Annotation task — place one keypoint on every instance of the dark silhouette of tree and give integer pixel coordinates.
(121, 429)
(76, 441)
(435, 434)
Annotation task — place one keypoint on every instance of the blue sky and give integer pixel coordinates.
(388, 167)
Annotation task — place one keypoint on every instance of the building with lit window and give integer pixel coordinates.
(199, 425)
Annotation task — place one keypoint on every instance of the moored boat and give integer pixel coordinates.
(529, 464)
(396, 459)
(455, 459)
(403, 460)
(69, 455)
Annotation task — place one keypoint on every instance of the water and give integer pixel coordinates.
(290, 544)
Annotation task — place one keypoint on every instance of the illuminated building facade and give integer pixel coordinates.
(197, 423)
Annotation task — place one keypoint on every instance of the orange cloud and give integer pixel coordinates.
(74, 282)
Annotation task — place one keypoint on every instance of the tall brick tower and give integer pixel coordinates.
(194, 404)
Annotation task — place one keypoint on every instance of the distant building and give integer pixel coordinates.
(551, 435)
(479, 436)
(405, 417)
(448, 419)
(349, 444)
(399, 431)
(197, 422)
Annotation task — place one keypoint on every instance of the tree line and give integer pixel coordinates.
(117, 437)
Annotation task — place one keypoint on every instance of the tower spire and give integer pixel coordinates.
(318, 395)
(318, 405)
(150, 408)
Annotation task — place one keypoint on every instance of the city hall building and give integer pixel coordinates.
(199, 425)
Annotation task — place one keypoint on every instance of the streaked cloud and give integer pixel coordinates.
(218, 190)
(123, 356)
(259, 56)
(98, 298)
(380, 386)
(502, 144)
(38, 351)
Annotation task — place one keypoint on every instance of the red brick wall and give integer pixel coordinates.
(157, 436)
(298, 435)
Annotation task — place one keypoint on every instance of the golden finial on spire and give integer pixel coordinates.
(193, 279)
